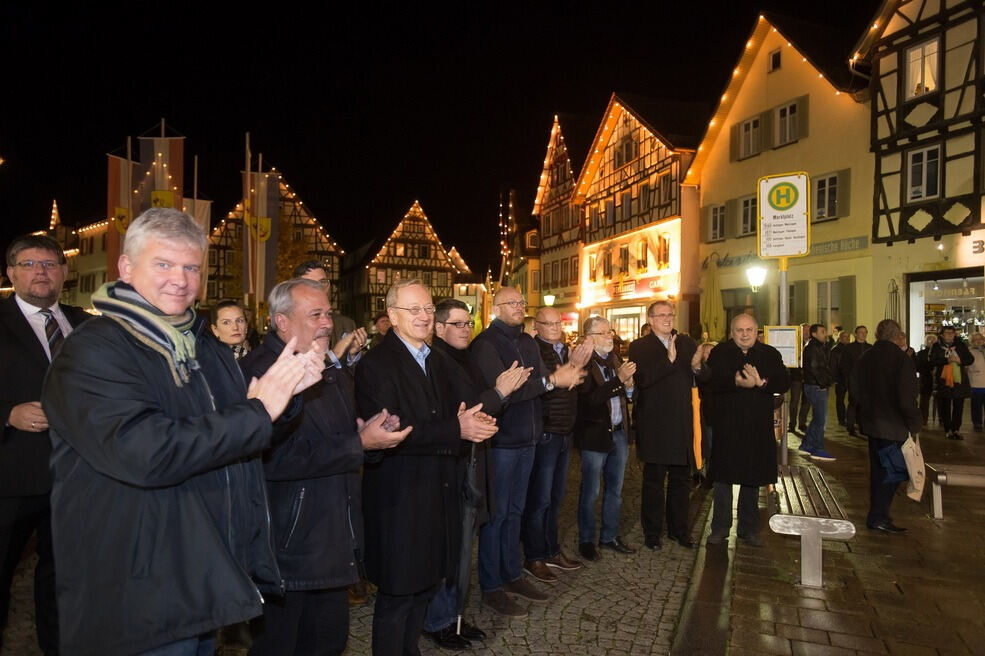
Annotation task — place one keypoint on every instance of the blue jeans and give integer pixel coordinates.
(818, 398)
(544, 494)
(977, 403)
(611, 467)
(200, 646)
(443, 608)
(499, 538)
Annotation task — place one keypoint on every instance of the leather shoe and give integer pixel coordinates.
(886, 527)
(539, 570)
(471, 631)
(446, 638)
(499, 602)
(617, 545)
(564, 563)
(718, 537)
(653, 543)
(682, 540)
(589, 552)
(525, 589)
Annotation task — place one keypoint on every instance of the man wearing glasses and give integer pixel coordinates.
(32, 326)
(667, 365)
(410, 499)
(520, 426)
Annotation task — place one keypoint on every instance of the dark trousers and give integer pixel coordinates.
(538, 529)
(950, 411)
(925, 406)
(748, 509)
(304, 622)
(851, 413)
(398, 621)
(840, 392)
(19, 517)
(977, 405)
(652, 504)
(880, 493)
(796, 388)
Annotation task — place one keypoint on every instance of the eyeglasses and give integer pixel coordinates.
(607, 333)
(47, 265)
(663, 315)
(417, 309)
(459, 324)
(549, 324)
(514, 304)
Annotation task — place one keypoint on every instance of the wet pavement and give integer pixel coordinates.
(918, 593)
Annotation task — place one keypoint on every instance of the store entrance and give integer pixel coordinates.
(945, 298)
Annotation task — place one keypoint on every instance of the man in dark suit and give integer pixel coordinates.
(32, 326)
(410, 499)
(667, 364)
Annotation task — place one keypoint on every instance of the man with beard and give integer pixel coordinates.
(32, 326)
(602, 436)
(410, 502)
(452, 333)
(746, 376)
(312, 473)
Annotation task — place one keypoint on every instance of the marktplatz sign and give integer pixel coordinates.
(784, 215)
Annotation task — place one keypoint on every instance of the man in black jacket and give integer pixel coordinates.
(817, 379)
(925, 373)
(520, 426)
(550, 469)
(951, 358)
(410, 503)
(842, 369)
(159, 511)
(841, 382)
(884, 383)
(32, 326)
(312, 473)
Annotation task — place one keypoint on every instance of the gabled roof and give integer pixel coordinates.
(574, 132)
(675, 123)
(873, 32)
(375, 250)
(827, 50)
(459, 261)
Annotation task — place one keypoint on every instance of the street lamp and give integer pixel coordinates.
(549, 299)
(756, 276)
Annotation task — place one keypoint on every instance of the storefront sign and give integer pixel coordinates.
(784, 215)
(840, 245)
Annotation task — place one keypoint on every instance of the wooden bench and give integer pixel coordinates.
(802, 504)
(959, 475)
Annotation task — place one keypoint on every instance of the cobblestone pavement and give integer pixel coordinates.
(620, 605)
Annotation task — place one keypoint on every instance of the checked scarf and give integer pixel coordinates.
(168, 335)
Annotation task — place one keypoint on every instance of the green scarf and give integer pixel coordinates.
(168, 335)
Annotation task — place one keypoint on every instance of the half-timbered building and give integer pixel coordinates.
(412, 250)
(522, 254)
(929, 146)
(640, 220)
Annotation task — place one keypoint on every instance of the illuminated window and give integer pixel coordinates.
(786, 124)
(748, 226)
(400, 250)
(749, 141)
(921, 69)
(924, 173)
(716, 230)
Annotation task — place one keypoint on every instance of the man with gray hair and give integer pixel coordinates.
(159, 511)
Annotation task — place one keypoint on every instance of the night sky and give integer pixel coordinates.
(362, 112)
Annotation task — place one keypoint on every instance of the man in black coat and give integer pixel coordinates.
(312, 473)
(667, 364)
(951, 358)
(925, 374)
(745, 376)
(818, 377)
(841, 382)
(410, 500)
(884, 382)
(32, 326)
(842, 369)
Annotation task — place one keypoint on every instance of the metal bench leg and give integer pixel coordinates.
(810, 559)
(938, 505)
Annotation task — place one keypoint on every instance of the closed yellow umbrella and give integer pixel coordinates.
(712, 312)
(696, 411)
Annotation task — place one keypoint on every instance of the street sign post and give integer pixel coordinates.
(784, 203)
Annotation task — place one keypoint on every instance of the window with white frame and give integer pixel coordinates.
(923, 167)
(921, 69)
(749, 141)
(748, 226)
(825, 197)
(717, 228)
(786, 124)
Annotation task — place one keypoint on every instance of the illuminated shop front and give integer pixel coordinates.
(623, 275)
(953, 298)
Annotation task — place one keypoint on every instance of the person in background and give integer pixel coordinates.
(851, 353)
(229, 326)
(381, 325)
(841, 383)
(925, 371)
(977, 373)
(951, 357)
(817, 379)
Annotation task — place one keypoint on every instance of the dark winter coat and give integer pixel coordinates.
(593, 430)
(850, 354)
(743, 446)
(493, 351)
(925, 370)
(410, 499)
(312, 473)
(938, 358)
(662, 414)
(817, 370)
(884, 385)
(24, 455)
(560, 405)
(159, 515)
